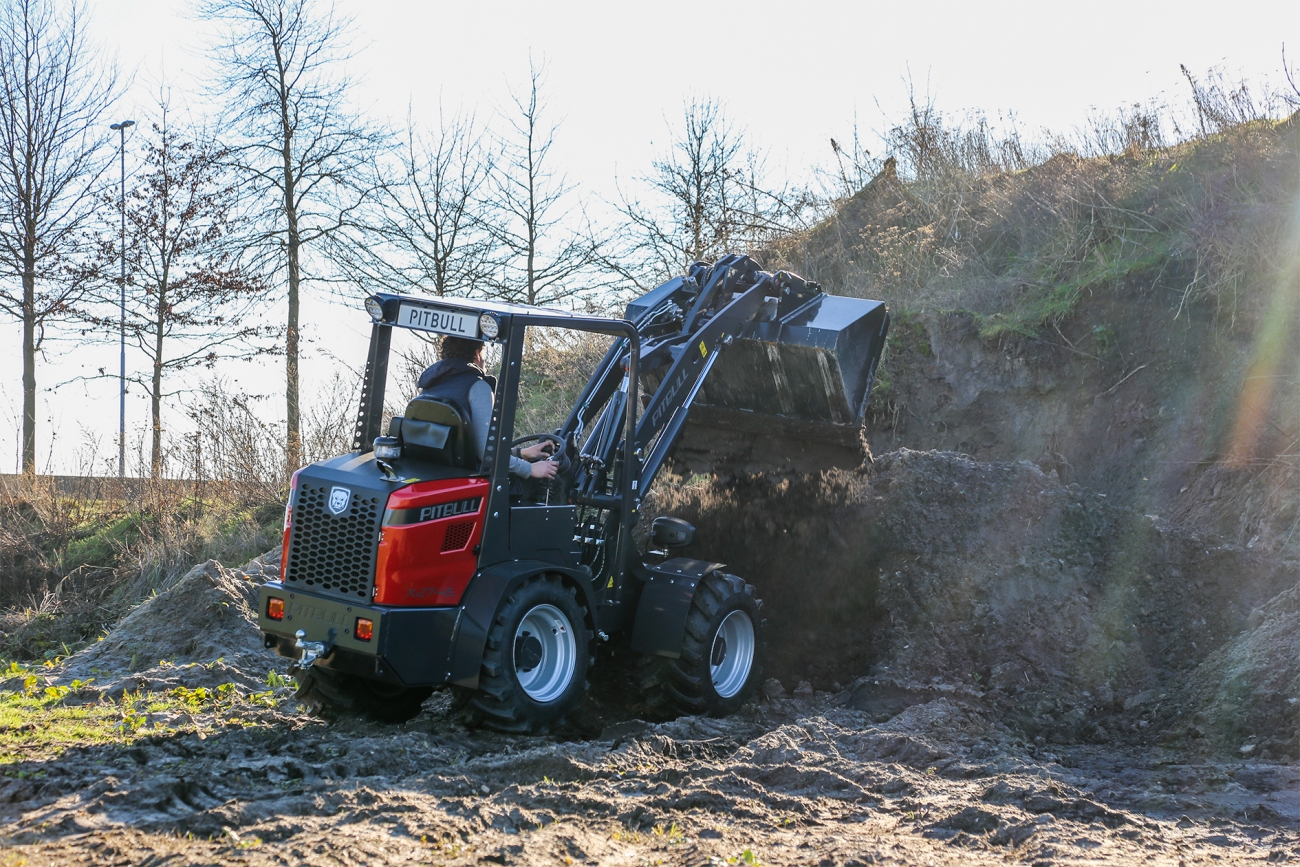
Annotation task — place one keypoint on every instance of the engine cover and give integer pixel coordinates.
(428, 548)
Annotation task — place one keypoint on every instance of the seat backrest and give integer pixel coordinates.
(435, 430)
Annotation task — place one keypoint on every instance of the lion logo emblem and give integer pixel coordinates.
(339, 499)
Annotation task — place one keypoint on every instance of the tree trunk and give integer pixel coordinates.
(29, 363)
(155, 394)
(532, 217)
(293, 432)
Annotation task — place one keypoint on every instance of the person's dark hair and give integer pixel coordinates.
(459, 347)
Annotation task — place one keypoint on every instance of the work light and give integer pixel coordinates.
(387, 448)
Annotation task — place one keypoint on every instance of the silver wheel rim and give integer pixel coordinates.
(544, 678)
(732, 654)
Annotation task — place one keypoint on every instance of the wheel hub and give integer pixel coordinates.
(528, 652)
(732, 654)
(545, 653)
(719, 651)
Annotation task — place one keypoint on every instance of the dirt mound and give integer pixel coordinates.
(1075, 619)
(1248, 692)
(200, 631)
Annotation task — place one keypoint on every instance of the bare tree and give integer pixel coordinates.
(708, 196)
(425, 228)
(53, 92)
(302, 147)
(542, 254)
(192, 294)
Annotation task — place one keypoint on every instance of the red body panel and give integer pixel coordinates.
(288, 522)
(425, 559)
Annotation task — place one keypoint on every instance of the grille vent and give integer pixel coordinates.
(333, 554)
(457, 536)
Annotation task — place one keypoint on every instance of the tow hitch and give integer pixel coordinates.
(312, 650)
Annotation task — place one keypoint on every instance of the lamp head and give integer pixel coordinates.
(123, 125)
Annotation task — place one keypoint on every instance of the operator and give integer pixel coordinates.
(459, 378)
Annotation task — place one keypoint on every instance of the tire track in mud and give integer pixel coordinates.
(793, 782)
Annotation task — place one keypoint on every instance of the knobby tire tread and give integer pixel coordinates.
(679, 684)
(499, 702)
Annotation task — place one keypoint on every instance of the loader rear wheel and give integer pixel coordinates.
(721, 656)
(334, 695)
(536, 660)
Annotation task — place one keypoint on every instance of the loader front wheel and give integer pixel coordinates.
(721, 656)
(334, 695)
(536, 660)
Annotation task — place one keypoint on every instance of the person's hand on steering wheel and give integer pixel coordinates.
(544, 449)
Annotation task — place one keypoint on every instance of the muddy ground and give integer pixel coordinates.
(968, 662)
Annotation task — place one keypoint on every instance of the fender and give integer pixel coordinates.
(483, 597)
(666, 595)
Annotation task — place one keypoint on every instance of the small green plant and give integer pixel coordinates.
(1103, 339)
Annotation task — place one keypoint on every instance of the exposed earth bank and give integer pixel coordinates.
(970, 662)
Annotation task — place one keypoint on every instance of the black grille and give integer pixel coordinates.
(457, 536)
(333, 554)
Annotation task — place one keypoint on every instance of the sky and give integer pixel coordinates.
(792, 74)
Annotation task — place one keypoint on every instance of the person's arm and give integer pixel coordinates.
(520, 467)
(480, 416)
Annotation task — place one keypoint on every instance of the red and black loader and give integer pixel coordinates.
(407, 566)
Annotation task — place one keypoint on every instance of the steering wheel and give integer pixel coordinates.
(562, 459)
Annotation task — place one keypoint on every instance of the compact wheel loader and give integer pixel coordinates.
(409, 566)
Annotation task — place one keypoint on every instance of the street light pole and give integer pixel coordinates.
(120, 128)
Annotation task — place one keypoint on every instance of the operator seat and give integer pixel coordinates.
(436, 430)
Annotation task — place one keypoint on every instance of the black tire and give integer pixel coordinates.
(502, 701)
(686, 684)
(334, 695)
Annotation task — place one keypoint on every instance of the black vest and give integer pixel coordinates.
(451, 379)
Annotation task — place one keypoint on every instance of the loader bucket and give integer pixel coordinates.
(789, 393)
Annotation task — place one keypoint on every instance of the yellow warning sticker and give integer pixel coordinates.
(703, 349)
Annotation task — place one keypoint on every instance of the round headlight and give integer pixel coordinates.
(374, 308)
(488, 326)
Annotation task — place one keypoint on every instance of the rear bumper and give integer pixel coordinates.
(409, 646)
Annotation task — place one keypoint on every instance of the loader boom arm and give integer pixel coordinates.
(684, 326)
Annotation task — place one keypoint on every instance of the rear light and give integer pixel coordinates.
(284, 540)
(364, 629)
(275, 608)
(288, 522)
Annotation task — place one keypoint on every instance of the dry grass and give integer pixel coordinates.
(77, 552)
(968, 215)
